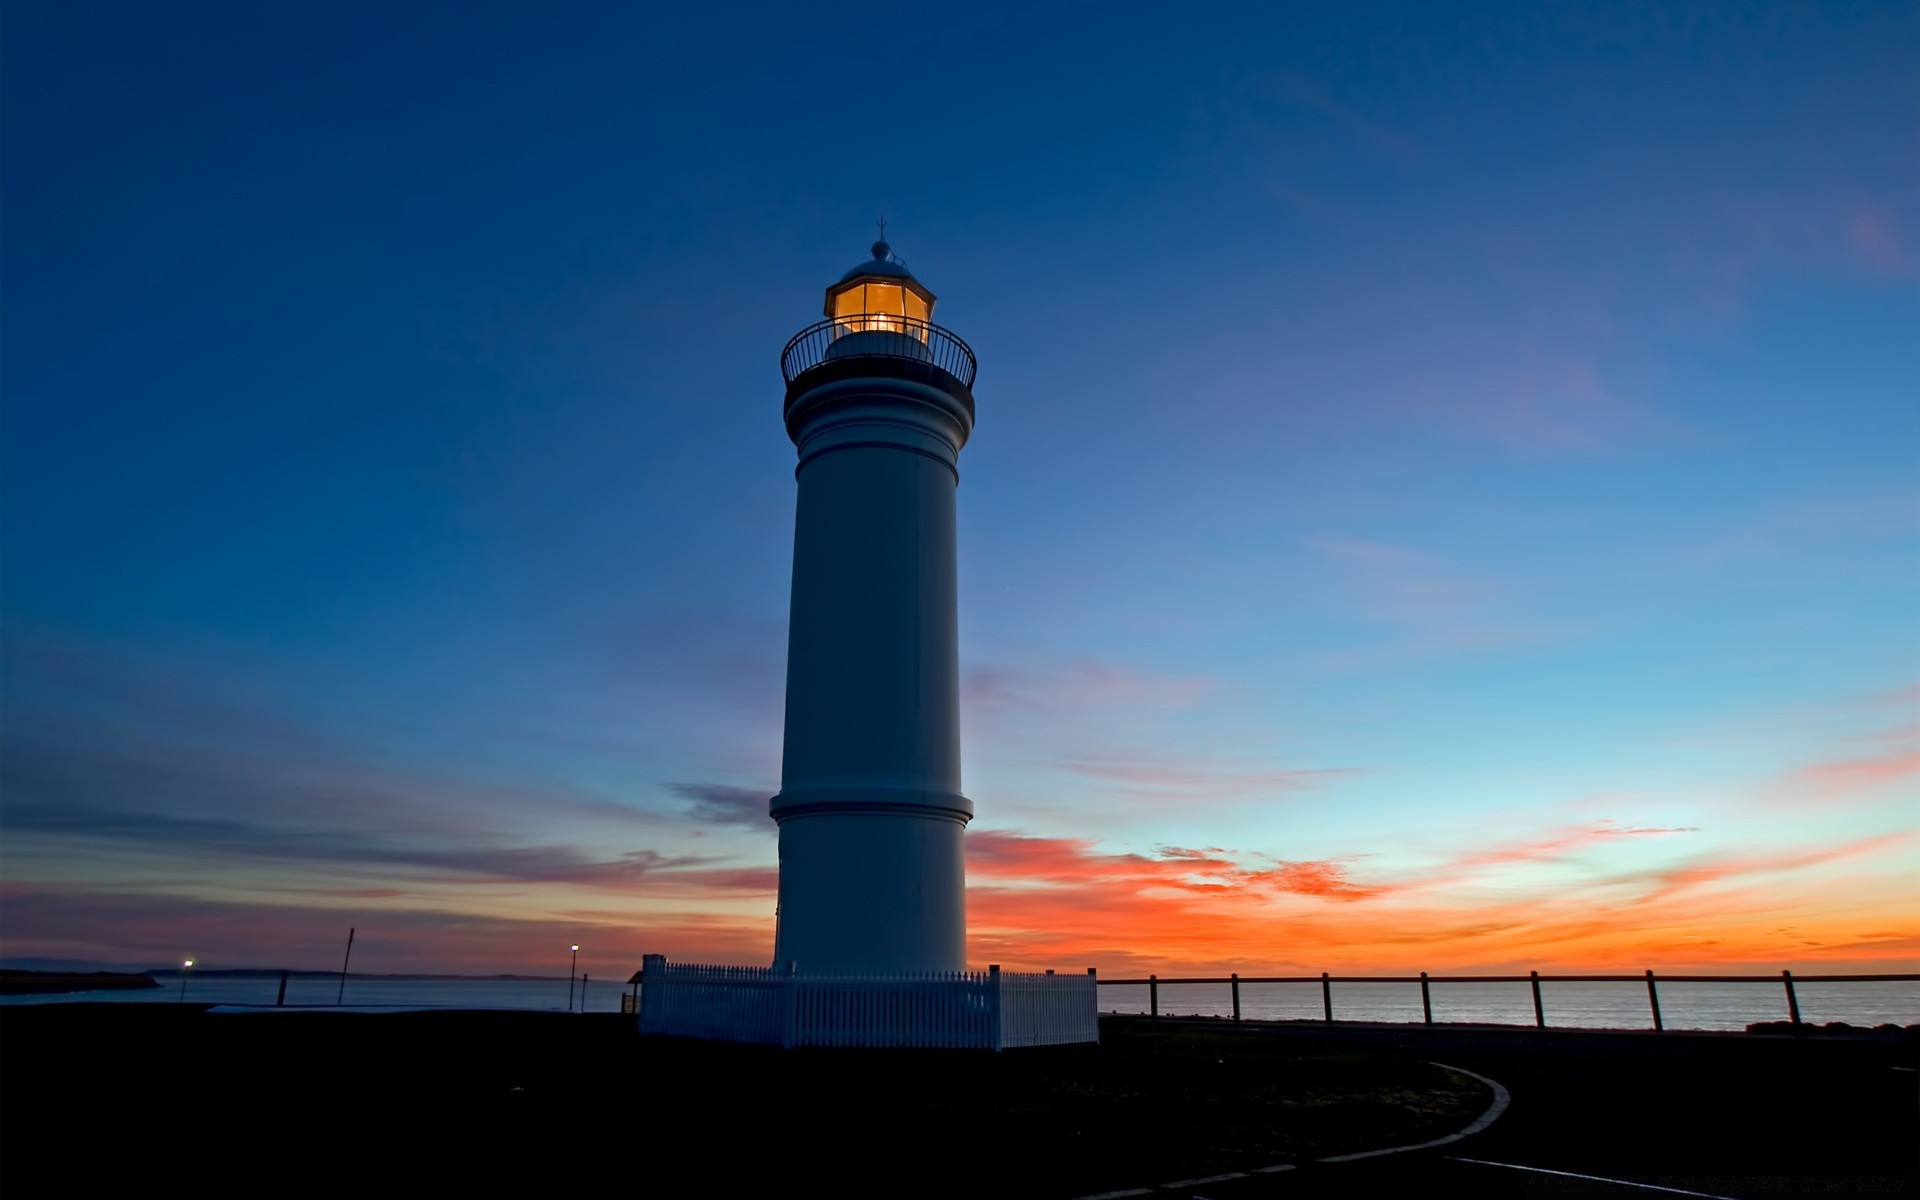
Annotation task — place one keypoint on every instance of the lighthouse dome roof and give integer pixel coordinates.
(882, 264)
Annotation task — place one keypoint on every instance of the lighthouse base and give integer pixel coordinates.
(982, 1010)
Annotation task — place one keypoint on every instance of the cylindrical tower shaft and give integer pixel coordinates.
(872, 876)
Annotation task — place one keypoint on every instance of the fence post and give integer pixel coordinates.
(1793, 1001)
(653, 975)
(1653, 1000)
(789, 1008)
(1326, 995)
(1236, 995)
(1153, 996)
(1539, 1012)
(993, 988)
(1426, 999)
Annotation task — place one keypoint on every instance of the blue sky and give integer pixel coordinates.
(1441, 471)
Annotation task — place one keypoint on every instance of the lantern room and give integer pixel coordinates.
(880, 296)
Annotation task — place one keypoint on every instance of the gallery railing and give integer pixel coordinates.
(1326, 981)
(878, 335)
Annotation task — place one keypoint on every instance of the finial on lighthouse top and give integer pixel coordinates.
(879, 288)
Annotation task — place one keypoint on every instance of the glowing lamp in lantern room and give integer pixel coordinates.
(880, 296)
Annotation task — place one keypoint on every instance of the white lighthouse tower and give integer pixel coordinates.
(871, 946)
(879, 403)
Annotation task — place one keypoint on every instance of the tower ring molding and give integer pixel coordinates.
(902, 414)
(871, 801)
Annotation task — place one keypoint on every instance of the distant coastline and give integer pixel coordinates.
(352, 976)
(49, 983)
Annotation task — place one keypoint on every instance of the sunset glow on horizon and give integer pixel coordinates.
(1446, 493)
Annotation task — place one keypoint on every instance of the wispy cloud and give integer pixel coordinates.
(1314, 95)
(1847, 776)
(1550, 406)
(151, 928)
(1331, 880)
(1876, 241)
(1795, 526)
(1551, 847)
(722, 804)
(1173, 777)
(1075, 686)
(1438, 608)
(383, 854)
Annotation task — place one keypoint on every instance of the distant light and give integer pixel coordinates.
(576, 947)
(187, 963)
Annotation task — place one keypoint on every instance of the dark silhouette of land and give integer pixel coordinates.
(562, 1101)
(1725, 1114)
(49, 983)
(435, 1100)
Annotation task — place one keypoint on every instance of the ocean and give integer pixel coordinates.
(1567, 1005)
(537, 995)
(1584, 1005)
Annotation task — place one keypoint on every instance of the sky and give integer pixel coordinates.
(1446, 492)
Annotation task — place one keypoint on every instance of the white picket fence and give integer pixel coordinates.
(991, 1009)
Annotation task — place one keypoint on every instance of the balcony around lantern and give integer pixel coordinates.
(894, 338)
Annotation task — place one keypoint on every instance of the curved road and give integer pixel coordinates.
(1640, 1114)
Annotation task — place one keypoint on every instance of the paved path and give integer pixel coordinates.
(1729, 1115)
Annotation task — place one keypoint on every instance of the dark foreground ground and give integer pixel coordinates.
(168, 1098)
(1719, 1114)
(560, 1101)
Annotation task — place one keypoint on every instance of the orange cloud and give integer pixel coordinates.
(1329, 879)
(1037, 901)
(1047, 901)
(1858, 774)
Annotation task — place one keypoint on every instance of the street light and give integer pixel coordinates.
(570, 968)
(186, 968)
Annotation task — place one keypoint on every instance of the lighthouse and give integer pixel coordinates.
(870, 945)
(879, 403)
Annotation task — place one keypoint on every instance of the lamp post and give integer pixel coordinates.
(186, 969)
(570, 968)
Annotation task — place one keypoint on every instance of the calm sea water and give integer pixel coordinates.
(533, 994)
(1585, 1005)
(1590, 1005)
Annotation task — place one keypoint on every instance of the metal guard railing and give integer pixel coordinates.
(1326, 981)
(881, 336)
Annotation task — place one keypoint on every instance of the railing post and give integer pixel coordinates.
(993, 989)
(1093, 983)
(789, 1007)
(1653, 1001)
(1153, 996)
(1236, 995)
(1426, 999)
(653, 976)
(1793, 1001)
(1326, 995)
(281, 999)
(1539, 1011)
